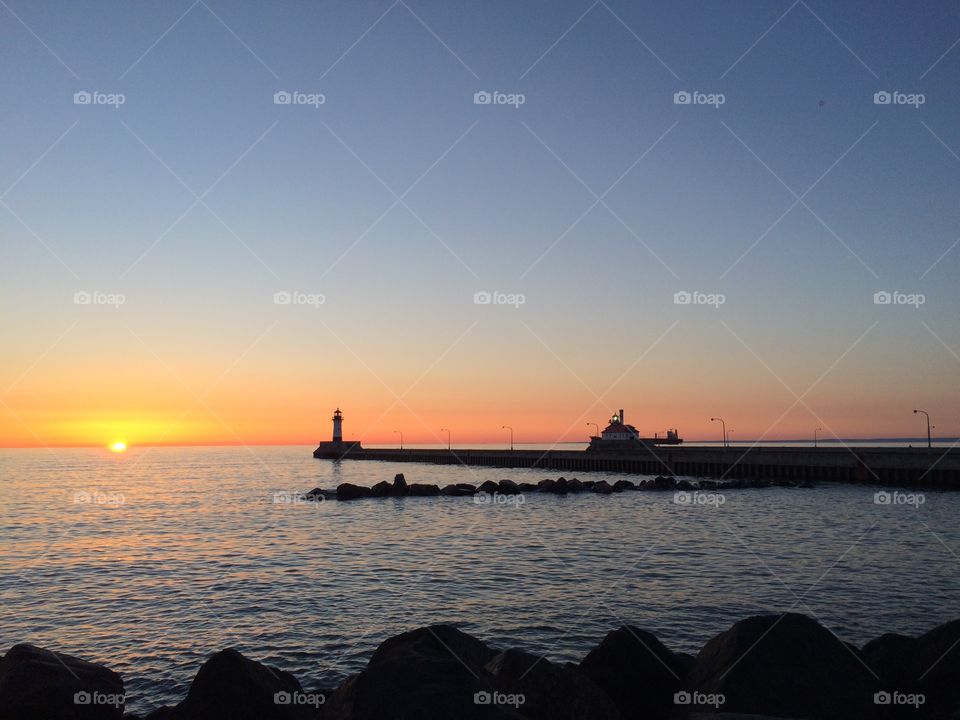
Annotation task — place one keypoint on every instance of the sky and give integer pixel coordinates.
(471, 215)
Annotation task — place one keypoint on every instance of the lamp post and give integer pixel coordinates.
(596, 426)
(724, 425)
(401, 437)
(448, 437)
(815, 431)
(929, 441)
(507, 427)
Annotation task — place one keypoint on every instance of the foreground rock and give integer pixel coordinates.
(637, 671)
(230, 686)
(936, 666)
(434, 672)
(920, 675)
(439, 672)
(549, 691)
(37, 683)
(782, 665)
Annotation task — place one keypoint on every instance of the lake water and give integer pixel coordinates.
(149, 561)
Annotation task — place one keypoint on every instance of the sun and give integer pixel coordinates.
(118, 447)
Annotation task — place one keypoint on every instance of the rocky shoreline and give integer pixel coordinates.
(487, 491)
(783, 666)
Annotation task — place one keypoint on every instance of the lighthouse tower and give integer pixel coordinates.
(337, 448)
(337, 426)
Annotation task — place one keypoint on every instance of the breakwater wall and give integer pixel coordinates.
(937, 467)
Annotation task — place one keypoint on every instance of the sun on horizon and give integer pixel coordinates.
(118, 447)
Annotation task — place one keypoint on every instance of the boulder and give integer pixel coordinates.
(527, 487)
(314, 494)
(562, 486)
(709, 484)
(508, 487)
(546, 485)
(422, 490)
(489, 487)
(935, 666)
(661, 482)
(685, 485)
(889, 657)
(458, 490)
(637, 671)
(784, 665)
(38, 683)
(399, 485)
(602, 487)
(349, 491)
(549, 691)
(621, 485)
(381, 489)
(433, 673)
(230, 686)
(574, 486)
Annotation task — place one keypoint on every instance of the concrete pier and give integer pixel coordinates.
(939, 467)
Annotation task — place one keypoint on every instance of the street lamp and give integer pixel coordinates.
(929, 442)
(448, 436)
(401, 437)
(507, 427)
(724, 428)
(596, 426)
(816, 430)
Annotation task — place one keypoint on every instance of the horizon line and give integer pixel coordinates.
(214, 443)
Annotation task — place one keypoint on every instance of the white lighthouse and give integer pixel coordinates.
(337, 448)
(337, 426)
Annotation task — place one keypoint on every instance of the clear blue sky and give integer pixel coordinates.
(499, 203)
